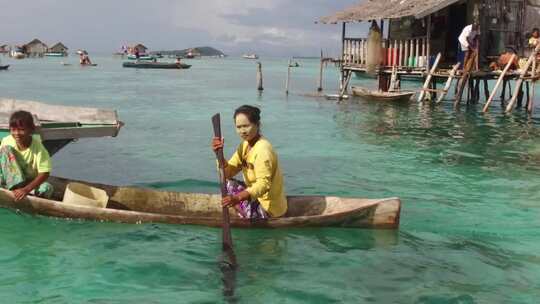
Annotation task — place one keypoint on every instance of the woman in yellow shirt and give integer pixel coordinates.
(255, 157)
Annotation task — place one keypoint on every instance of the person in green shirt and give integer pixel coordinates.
(264, 194)
(24, 162)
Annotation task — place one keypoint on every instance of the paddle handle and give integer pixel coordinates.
(227, 239)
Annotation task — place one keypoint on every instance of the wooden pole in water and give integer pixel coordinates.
(522, 76)
(319, 88)
(288, 77)
(259, 77)
(498, 83)
(530, 105)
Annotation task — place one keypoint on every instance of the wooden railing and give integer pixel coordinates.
(401, 53)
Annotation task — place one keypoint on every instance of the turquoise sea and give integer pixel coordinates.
(469, 183)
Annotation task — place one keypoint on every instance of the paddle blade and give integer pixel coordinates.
(216, 123)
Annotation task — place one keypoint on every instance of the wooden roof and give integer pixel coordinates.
(35, 41)
(59, 44)
(387, 9)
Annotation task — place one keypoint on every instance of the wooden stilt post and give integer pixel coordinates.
(425, 88)
(342, 75)
(319, 88)
(530, 105)
(428, 41)
(288, 78)
(448, 82)
(348, 74)
(259, 77)
(522, 76)
(468, 66)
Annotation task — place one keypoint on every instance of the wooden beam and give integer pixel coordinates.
(523, 74)
(428, 78)
(498, 83)
(448, 82)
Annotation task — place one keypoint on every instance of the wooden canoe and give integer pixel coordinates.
(382, 96)
(155, 65)
(140, 205)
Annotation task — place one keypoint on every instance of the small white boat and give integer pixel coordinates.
(17, 54)
(250, 56)
(55, 54)
(382, 96)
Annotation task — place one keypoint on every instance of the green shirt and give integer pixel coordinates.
(35, 158)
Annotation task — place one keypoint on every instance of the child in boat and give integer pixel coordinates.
(24, 162)
(264, 195)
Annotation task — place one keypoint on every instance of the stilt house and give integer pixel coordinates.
(35, 48)
(419, 29)
(59, 48)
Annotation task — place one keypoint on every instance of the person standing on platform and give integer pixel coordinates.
(468, 41)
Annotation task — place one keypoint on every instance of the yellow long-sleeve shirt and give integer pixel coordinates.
(262, 174)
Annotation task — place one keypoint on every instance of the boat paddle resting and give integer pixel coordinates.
(156, 65)
(4, 67)
(377, 95)
(140, 205)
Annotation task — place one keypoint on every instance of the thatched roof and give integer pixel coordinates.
(59, 45)
(387, 9)
(35, 41)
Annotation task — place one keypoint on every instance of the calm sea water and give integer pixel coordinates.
(470, 229)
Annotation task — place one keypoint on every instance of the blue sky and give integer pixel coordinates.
(267, 27)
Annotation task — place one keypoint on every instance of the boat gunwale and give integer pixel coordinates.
(128, 216)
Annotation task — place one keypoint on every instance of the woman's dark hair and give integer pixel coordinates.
(535, 30)
(21, 119)
(252, 113)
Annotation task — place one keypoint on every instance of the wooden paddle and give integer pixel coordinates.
(227, 239)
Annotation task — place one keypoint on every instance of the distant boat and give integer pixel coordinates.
(55, 54)
(141, 57)
(250, 56)
(4, 67)
(156, 65)
(377, 95)
(17, 54)
(189, 55)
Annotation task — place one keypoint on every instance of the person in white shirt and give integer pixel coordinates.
(468, 41)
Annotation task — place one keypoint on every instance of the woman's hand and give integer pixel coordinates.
(217, 143)
(230, 201)
(20, 193)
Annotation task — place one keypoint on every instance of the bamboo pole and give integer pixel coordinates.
(259, 77)
(428, 78)
(417, 53)
(400, 53)
(344, 89)
(428, 39)
(288, 77)
(448, 82)
(319, 88)
(512, 102)
(498, 83)
(533, 84)
(406, 53)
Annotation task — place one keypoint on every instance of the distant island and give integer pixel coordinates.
(197, 51)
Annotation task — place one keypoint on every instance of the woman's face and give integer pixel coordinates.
(245, 129)
(536, 34)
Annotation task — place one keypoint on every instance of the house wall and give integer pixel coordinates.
(502, 23)
(58, 49)
(37, 49)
